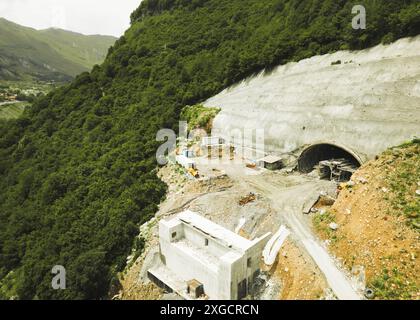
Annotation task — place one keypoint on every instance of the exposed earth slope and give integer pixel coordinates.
(378, 223)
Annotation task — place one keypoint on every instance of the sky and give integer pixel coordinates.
(106, 17)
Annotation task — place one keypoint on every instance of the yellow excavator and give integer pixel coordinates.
(193, 172)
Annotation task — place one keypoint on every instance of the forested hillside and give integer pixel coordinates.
(77, 170)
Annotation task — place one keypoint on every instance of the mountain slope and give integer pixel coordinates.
(51, 54)
(77, 171)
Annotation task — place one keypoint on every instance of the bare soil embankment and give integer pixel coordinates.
(294, 276)
(377, 214)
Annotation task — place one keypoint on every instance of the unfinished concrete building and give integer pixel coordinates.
(199, 257)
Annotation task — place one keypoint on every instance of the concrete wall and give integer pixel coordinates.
(366, 104)
(198, 239)
(218, 267)
(188, 268)
(185, 265)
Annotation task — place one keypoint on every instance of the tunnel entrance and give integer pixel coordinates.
(331, 161)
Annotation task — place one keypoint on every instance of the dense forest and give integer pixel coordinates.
(78, 169)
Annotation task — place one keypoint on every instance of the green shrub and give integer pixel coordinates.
(199, 116)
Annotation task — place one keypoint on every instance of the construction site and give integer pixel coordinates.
(240, 222)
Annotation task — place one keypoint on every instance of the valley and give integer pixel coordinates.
(48, 55)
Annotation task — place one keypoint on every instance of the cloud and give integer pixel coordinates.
(85, 16)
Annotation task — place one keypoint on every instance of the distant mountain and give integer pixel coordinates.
(51, 54)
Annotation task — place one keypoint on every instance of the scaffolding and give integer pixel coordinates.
(336, 169)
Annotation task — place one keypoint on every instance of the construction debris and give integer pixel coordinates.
(240, 225)
(251, 197)
(251, 165)
(273, 245)
(336, 169)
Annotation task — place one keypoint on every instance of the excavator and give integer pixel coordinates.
(193, 172)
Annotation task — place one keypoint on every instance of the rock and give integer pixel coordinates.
(322, 212)
(348, 211)
(326, 200)
(333, 226)
(363, 180)
(385, 190)
(350, 183)
(359, 277)
(329, 294)
(418, 192)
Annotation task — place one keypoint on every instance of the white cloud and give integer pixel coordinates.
(110, 17)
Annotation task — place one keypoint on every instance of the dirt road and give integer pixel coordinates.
(289, 202)
(290, 196)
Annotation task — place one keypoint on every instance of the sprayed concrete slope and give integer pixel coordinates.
(369, 102)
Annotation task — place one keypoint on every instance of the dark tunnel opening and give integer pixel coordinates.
(325, 157)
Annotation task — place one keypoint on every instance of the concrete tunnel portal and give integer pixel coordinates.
(330, 159)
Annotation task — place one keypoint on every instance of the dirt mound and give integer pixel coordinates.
(374, 223)
(300, 277)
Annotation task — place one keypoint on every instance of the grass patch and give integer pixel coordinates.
(321, 223)
(403, 181)
(393, 285)
(12, 110)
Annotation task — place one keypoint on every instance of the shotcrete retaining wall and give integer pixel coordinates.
(363, 102)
